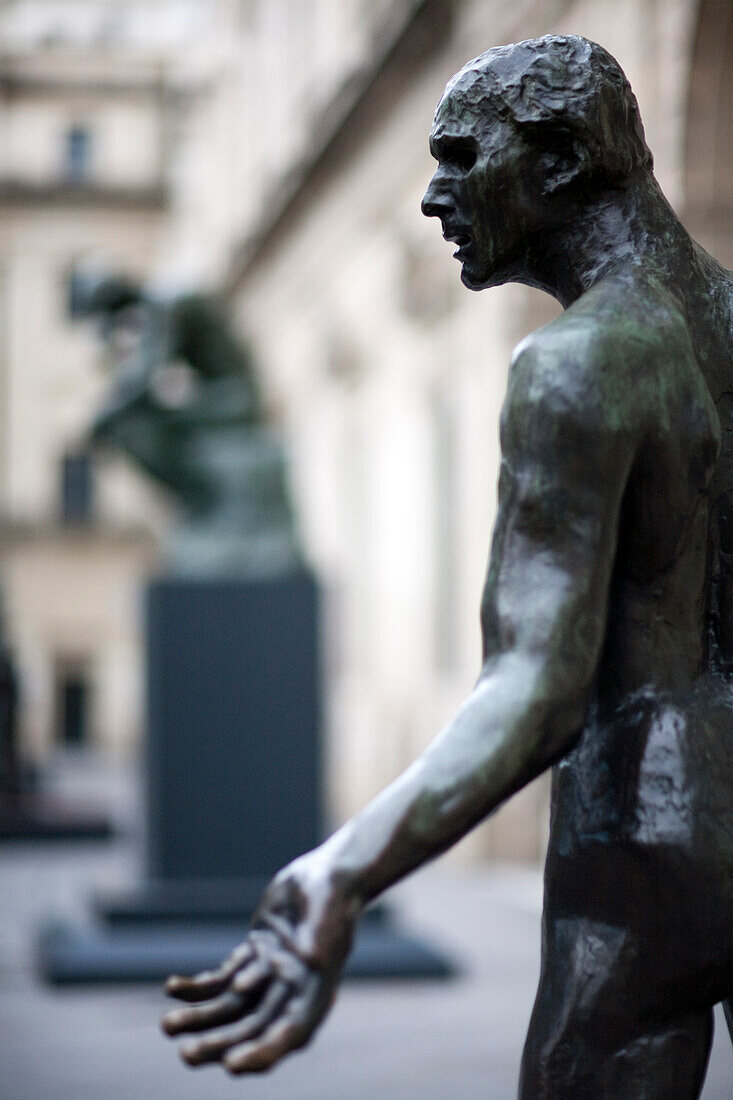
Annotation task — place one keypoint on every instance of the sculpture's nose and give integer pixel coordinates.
(431, 204)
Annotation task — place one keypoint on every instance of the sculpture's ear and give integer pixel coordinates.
(563, 159)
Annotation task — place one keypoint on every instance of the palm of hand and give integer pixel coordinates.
(269, 996)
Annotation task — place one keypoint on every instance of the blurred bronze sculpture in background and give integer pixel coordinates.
(186, 407)
(607, 615)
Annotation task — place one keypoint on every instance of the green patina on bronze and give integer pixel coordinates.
(607, 614)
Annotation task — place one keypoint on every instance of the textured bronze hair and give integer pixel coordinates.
(566, 94)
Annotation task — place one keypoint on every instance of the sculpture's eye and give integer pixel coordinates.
(460, 154)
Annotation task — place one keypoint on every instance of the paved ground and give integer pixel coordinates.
(410, 1041)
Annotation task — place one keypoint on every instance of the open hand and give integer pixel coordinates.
(269, 996)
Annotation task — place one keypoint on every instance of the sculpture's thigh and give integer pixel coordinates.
(593, 1032)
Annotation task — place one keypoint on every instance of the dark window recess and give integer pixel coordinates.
(77, 153)
(77, 488)
(72, 692)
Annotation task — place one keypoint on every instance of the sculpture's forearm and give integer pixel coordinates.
(492, 747)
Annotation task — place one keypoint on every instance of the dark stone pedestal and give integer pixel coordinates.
(233, 773)
(233, 752)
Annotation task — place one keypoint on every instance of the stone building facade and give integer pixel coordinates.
(84, 120)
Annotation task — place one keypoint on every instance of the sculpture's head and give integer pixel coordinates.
(104, 295)
(519, 132)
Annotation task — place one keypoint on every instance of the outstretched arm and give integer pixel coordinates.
(565, 465)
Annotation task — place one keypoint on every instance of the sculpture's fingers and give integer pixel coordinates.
(223, 1010)
(251, 976)
(291, 1030)
(288, 966)
(210, 983)
(211, 1048)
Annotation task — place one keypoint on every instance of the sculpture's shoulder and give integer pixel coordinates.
(602, 362)
(191, 310)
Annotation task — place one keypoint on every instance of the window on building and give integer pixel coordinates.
(77, 488)
(77, 153)
(73, 691)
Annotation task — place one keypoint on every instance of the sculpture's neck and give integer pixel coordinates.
(620, 229)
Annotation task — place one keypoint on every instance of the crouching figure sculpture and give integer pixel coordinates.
(185, 406)
(607, 615)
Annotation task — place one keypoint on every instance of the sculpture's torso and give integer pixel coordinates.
(642, 830)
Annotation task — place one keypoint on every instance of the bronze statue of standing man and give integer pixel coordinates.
(607, 615)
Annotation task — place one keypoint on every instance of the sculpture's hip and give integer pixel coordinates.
(642, 829)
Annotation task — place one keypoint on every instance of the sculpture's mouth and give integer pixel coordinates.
(462, 242)
(461, 239)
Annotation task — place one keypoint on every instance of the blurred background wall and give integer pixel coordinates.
(275, 152)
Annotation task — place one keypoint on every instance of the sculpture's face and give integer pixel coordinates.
(486, 189)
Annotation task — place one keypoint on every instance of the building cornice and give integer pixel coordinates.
(52, 75)
(86, 195)
(27, 532)
(417, 34)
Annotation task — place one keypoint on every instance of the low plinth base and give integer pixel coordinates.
(34, 816)
(181, 901)
(68, 954)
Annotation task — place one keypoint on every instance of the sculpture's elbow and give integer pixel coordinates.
(563, 709)
(545, 704)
